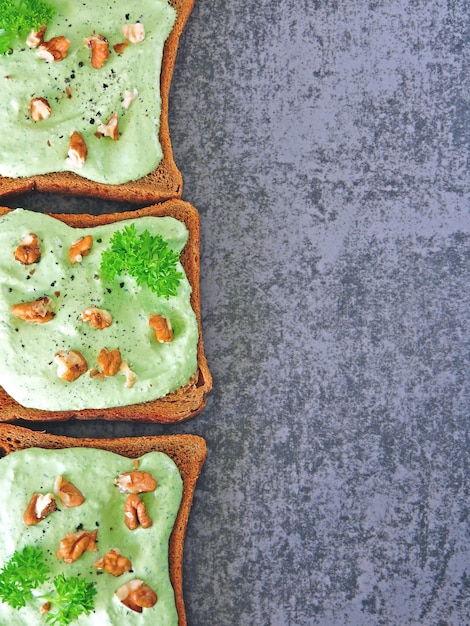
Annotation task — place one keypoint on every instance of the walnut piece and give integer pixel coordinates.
(39, 311)
(70, 365)
(129, 97)
(98, 318)
(45, 608)
(35, 39)
(29, 251)
(39, 507)
(120, 47)
(77, 152)
(131, 376)
(80, 248)
(109, 361)
(135, 513)
(40, 109)
(69, 495)
(74, 545)
(114, 563)
(99, 47)
(136, 595)
(162, 327)
(110, 129)
(136, 481)
(55, 49)
(135, 33)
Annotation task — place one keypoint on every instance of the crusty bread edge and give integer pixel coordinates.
(162, 184)
(187, 451)
(182, 404)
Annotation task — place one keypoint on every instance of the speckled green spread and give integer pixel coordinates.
(31, 471)
(27, 368)
(30, 148)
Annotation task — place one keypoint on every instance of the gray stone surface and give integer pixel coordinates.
(325, 144)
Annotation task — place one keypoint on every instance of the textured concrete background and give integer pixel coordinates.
(325, 145)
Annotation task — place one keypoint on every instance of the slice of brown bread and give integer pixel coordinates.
(185, 402)
(162, 184)
(187, 451)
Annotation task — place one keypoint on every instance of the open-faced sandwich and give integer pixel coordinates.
(93, 530)
(85, 89)
(100, 315)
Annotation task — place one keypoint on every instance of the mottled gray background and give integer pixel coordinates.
(325, 144)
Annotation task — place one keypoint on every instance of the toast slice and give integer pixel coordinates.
(187, 451)
(164, 183)
(188, 400)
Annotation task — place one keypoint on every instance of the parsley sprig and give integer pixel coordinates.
(145, 257)
(19, 17)
(27, 570)
(73, 597)
(24, 572)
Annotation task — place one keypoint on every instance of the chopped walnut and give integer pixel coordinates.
(135, 33)
(45, 608)
(69, 495)
(111, 128)
(28, 252)
(136, 481)
(95, 373)
(98, 318)
(55, 49)
(114, 563)
(136, 595)
(77, 152)
(74, 545)
(99, 47)
(109, 361)
(80, 248)
(131, 376)
(70, 365)
(129, 97)
(39, 311)
(120, 47)
(39, 507)
(35, 39)
(162, 327)
(40, 109)
(135, 513)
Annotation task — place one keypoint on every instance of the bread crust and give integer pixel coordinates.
(180, 405)
(187, 451)
(162, 184)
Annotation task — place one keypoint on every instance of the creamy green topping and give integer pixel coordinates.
(28, 371)
(81, 97)
(93, 472)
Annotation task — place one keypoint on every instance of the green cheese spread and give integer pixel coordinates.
(93, 472)
(82, 97)
(28, 370)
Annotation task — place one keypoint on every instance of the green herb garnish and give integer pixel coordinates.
(19, 17)
(73, 597)
(145, 257)
(27, 570)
